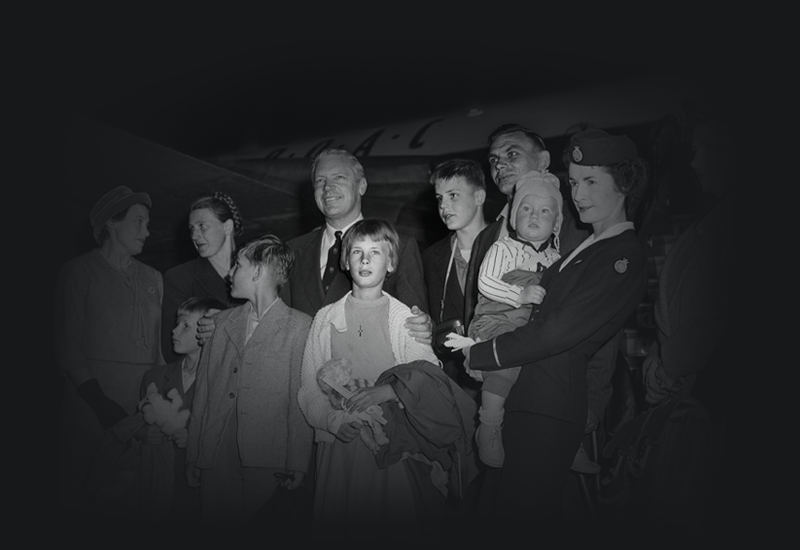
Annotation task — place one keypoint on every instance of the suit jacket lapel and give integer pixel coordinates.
(309, 268)
(454, 296)
(268, 324)
(439, 268)
(567, 277)
(236, 329)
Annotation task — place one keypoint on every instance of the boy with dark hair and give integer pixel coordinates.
(460, 194)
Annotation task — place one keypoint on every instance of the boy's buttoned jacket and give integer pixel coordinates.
(258, 382)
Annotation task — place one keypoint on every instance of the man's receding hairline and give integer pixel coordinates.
(531, 140)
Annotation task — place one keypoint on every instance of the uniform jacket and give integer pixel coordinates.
(304, 290)
(195, 278)
(258, 382)
(586, 305)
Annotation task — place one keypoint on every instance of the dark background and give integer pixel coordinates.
(203, 81)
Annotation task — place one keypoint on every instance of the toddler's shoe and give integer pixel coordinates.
(583, 464)
(490, 445)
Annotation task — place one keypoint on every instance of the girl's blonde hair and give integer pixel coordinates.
(374, 229)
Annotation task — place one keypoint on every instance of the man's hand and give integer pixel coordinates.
(419, 326)
(205, 326)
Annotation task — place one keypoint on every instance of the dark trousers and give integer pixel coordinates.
(539, 452)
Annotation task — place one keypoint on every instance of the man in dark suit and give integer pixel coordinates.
(339, 183)
(514, 151)
(460, 194)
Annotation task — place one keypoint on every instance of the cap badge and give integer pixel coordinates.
(577, 156)
(621, 266)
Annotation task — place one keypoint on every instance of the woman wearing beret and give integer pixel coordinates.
(107, 323)
(214, 221)
(589, 294)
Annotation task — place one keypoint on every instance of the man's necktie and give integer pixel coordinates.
(334, 252)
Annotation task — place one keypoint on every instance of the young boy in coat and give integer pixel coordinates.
(179, 375)
(247, 434)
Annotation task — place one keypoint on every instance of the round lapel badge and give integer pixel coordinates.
(577, 156)
(621, 266)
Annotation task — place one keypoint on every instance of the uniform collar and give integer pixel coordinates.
(612, 231)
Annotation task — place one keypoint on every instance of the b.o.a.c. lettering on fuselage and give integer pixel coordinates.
(381, 141)
(623, 103)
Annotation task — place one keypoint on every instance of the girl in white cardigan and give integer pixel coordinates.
(353, 496)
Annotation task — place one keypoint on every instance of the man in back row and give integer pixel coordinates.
(513, 152)
(318, 280)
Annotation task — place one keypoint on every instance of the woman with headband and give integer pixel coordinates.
(214, 222)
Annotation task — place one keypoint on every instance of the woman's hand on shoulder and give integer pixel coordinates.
(205, 325)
